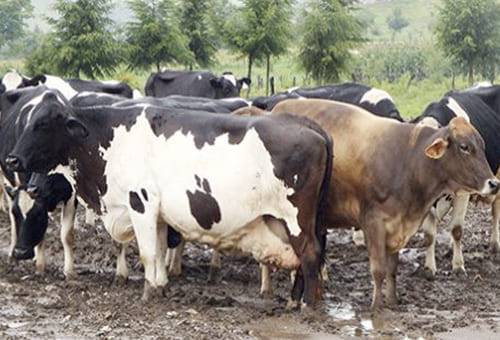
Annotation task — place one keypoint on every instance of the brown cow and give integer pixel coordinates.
(388, 174)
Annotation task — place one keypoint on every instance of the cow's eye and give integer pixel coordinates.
(464, 148)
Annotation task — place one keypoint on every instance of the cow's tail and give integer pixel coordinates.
(322, 208)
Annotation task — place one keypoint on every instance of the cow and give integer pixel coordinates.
(374, 100)
(475, 106)
(176, 179)
(194, 84)
(12, 80)
(387, 176)
(18, 107)
(30, 210)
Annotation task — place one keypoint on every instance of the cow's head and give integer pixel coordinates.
(45, 140)
(459, 148)
(31, 204)
(228, 86)
(30, 219)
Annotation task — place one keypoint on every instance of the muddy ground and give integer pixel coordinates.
(450, 307)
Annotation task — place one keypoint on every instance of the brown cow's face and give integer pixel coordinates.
(460, 150)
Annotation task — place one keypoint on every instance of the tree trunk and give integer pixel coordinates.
(452, 80)
(268, 68)
(471, 74)
(249, 73)
(158, 66)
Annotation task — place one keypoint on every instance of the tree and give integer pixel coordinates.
(261, 29)
(13, 14)
(329, 33)
(396, 21)
(194, 24)
(468, 32)
(154, 38)
(81, 41)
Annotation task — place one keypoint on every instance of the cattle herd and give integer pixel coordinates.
(192, 161)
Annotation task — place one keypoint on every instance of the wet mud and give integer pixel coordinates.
(45, 306)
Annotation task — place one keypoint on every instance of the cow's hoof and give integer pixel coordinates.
(392, 302)
(495, 248)
(267, 294)
(292, 305)
(120, 281)
(70, 276)
(213, 275)
(148, 293)
(428, 274)
(460, 273)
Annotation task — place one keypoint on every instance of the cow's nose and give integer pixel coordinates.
(32, 191)
(23, 253)
(13, 163)
(494, 185)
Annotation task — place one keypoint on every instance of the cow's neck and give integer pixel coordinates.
(89, 165)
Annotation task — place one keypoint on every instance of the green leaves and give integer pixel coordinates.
(468, 31)
(13, 14)
(81, 43)
(154, 37)
(329, 32)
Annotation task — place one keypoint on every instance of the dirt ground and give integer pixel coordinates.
(450, 307)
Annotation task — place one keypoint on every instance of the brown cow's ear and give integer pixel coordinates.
(437, 149)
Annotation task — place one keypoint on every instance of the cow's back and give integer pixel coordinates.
(193, 84)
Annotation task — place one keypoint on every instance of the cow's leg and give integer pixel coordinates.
(121, 275)
(13, 230)
(311, 267)
(40, 257)
(358, 237)
(174, 259)
(67, 237)
(457, 222)
(90, 217)
(495, 238)
(215, 266)
(297, 290)
(3, 207)
(161, 253)
(266, 286)
(376, 244)
(392, 272)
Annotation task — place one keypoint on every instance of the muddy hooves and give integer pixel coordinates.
(425, 273)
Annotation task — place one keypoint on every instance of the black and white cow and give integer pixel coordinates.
(374, 100)
(68, 87)
(18, 107)
(265, 198)
(227, 105)
(194, 84)
(469, 105)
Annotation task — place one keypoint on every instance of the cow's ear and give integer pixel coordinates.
(11, 191)
(245, 81)
(35, 81)
(437, 149)
(13, 95)
(76, 128)
(216, 82)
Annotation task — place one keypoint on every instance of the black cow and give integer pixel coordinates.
(476, 107)
(194, 84)
(175, 178)
(180, 102)
(371, 99)
(30, 210)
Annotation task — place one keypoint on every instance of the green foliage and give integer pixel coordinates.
(81, 42)
(154, 37)
(194, 24)
(468, 31)
(397, 21)
(13, 14)
(330, 32)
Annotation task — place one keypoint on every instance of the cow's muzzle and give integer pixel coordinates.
(491, 187)
(23, 253)
(13, 163)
